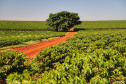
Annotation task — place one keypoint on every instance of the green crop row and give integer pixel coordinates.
(102, 25)
(95, 57)
(24, 25)
(41, 25)
(11, 62)
(90, 57)
(17, 37)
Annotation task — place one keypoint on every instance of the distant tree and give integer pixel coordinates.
(63, 21)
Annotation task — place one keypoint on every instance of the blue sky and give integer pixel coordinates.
(39, 10)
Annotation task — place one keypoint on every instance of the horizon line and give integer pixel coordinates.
(45, 20)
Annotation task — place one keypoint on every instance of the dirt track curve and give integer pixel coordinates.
(33, 50)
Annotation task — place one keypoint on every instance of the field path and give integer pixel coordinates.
(33, 50)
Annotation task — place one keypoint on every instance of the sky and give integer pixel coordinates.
(39, 10)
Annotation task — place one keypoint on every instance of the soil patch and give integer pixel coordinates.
(33, 50)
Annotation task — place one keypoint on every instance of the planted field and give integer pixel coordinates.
(24, 25)
(17, 37)
(41, 25)
(90, 57)
(102, 25)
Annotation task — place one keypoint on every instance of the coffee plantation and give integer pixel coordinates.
(90, 57)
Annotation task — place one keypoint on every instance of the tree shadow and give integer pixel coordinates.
(78, 29)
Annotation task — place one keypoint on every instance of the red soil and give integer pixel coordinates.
(72, 29)
(32, 50)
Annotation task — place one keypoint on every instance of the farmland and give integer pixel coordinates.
(102, 25)
(24, 25)
(90, 57)
(17, 37)
(41, 25)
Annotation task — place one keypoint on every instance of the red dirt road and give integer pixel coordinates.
(33, 50)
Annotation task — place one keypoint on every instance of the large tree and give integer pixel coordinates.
(63, 21)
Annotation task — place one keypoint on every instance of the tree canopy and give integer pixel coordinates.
(63, 21)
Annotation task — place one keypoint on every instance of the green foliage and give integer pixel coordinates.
(90, 57)
(24, 25)
(93, 59)
(102, 25)
(63, 20)
(41, 25)
(17, 37)
(46, 59)
(23, 78)
(12, 62)
(98, 80)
